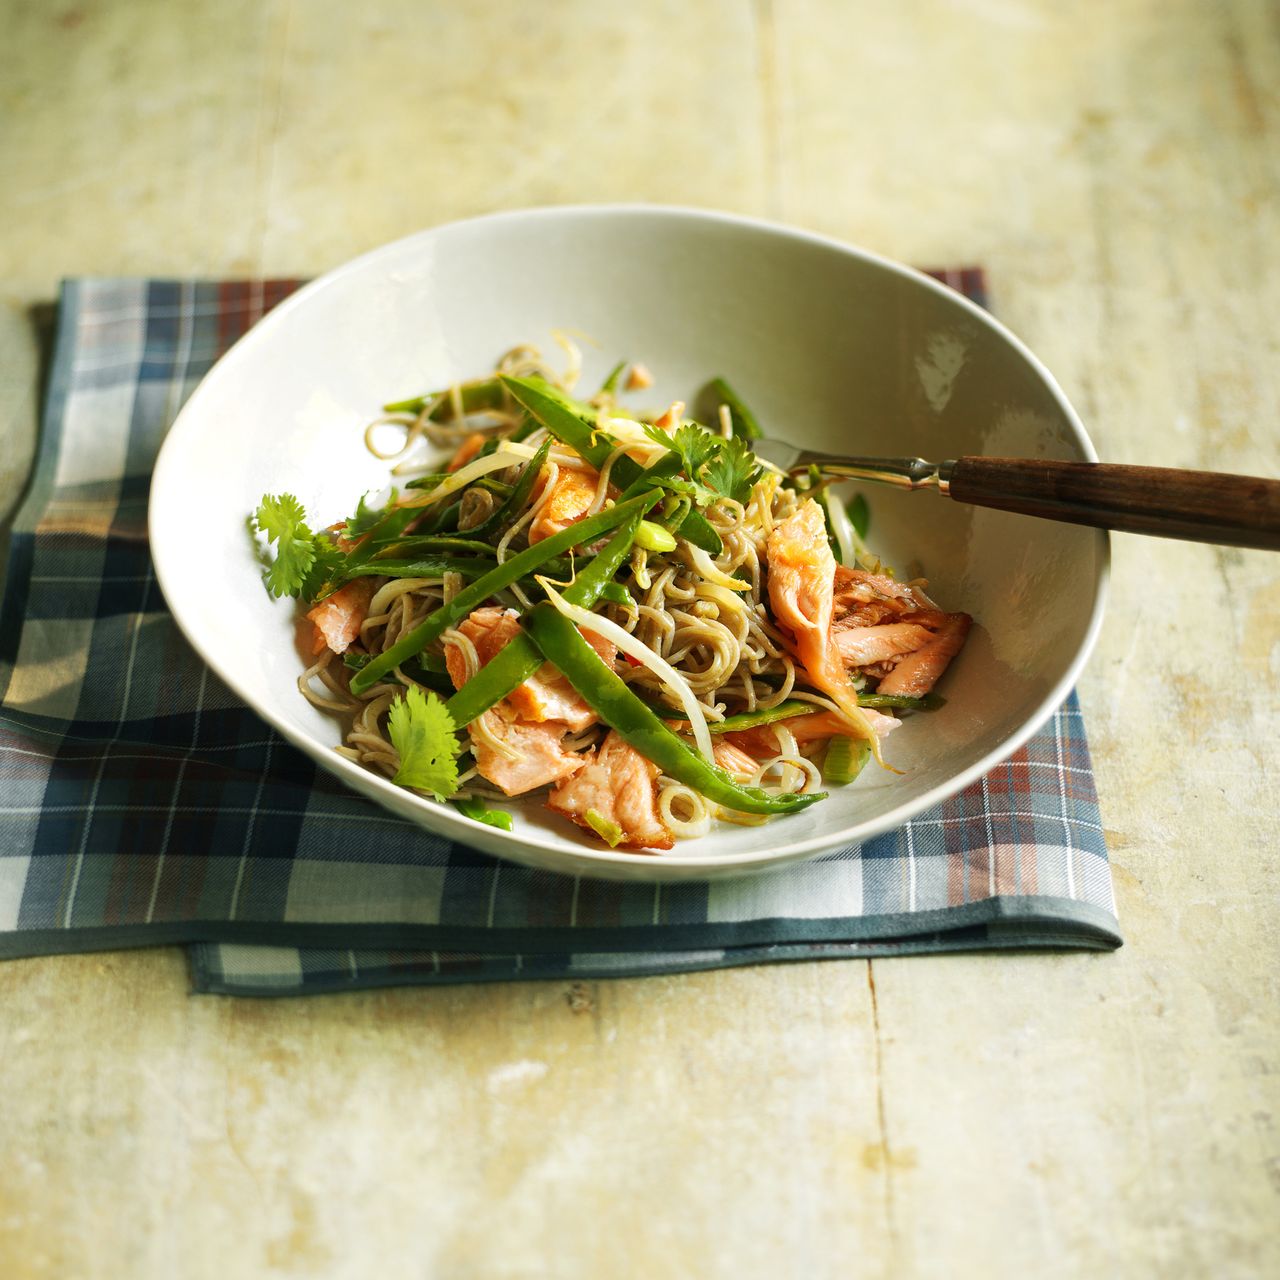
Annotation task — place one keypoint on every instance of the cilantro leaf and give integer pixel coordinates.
(366, 517)
(283, 519)
(692, 444)
(696, 447)
(733, 470)
(329, 567)
(422, 731)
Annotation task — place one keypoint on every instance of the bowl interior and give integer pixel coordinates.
(833, 348)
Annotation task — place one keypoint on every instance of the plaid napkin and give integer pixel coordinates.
(143, 804)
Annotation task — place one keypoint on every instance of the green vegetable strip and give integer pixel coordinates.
(431, 542)
(929, 702)
(474, 808)
(610, 385)
(566, 421)
(744, 421)
(391, 527)
(608, 696)
(503, 515)
(502, 576)
(487, 393)
(519, 660)
(793, 707)
(787, 710)
(615, 593)
(433, 567)
(666, 466)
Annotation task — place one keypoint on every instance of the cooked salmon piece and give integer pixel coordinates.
(861, 646)
(886, 628)
(339, 617)
(490, 630)
(858, 593)
(732, 758)
(539, 747)
(621, 786)
(573, 493)
(671, 418)
(466, 451)
(546, 695)
(761, 744)
(802, 571)
(915, 675)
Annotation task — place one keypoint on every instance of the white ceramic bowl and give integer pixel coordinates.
(832, 346)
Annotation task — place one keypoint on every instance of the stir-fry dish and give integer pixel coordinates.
(626, 614)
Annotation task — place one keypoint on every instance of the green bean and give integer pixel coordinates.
(477, 397)
(429, 567)
(517, 661)
(927, 702)
(744, 719)
(743, 420)
(608, 696)
(430, 542)
(428, 631)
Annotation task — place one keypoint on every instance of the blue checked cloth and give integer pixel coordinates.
(142, 804)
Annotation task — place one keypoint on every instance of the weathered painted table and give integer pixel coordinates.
(1116, 167)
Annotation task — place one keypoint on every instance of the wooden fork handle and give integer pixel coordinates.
(1204, 506)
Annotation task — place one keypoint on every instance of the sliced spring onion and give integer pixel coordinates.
(610, 385)
(608, 831)
(653, 537)
(476, 396)
(844, 759)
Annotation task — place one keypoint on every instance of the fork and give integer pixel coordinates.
(1165, 502)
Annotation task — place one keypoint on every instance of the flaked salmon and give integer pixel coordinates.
(619, 786)
(915, 675)
(546, 695)
(802, 572)
(862, 646)
(538, 749)
(518, 744)
(893, 631)
(733, 759)
(339, 617)
(571, 496)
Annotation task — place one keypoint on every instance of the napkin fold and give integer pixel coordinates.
(141, 803)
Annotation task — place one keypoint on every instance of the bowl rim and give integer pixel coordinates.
(455, 826)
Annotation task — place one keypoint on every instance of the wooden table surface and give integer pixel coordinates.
(1116, 168)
